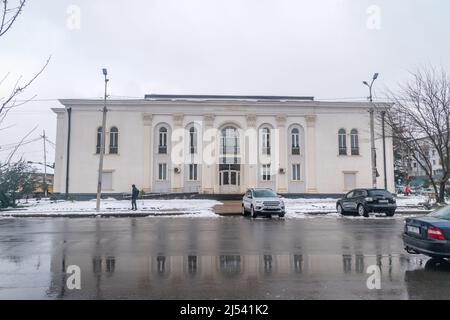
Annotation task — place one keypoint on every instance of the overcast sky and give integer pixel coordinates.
(275, 47)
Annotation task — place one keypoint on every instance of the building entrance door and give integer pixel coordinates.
(229, 178)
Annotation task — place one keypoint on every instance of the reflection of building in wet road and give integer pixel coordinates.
(231, 258)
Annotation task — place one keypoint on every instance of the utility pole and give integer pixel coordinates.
(45, 166)
(102, 146)
(372, 132)
(383, 115)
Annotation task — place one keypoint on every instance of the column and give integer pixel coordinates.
(250, 165)
(311, 185)
(177, 146)
(281, 152)
(209, 156)
(148, 143)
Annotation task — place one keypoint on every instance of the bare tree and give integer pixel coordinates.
(9, 14)
(10, 11)
(420, 121)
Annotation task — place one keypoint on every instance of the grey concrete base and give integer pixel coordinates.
(193, 195)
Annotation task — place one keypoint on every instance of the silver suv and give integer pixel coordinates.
(262, 201)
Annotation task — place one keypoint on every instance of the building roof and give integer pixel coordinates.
(175, 97)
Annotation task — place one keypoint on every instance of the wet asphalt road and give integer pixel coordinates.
(215, 258)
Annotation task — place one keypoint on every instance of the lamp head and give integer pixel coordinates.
(365, 82)
(375, 76)
(105, 72)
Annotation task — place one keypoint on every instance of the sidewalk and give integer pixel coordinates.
(228, 208)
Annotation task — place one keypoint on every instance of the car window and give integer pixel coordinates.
(442, 213)
(382, 193)
(357, 193)
(264, 193)
(349, 195)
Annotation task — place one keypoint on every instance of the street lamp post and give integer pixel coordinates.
(102, 145)
(45, 167)
(383, 115)
(372, 132)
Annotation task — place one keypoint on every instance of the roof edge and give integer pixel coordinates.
(224, 97)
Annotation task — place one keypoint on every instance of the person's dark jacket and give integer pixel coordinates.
(134, 193)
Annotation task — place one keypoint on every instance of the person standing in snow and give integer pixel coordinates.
(134, 196)
(407, 189)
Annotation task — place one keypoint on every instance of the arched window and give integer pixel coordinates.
(265, 140)
(230, 145)
(295, 141)
(114, 140)
(162, 148)
(192, 140)
(354, 142)
(99, 140)
(342, 142)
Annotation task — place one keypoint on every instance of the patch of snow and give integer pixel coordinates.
(176, 207)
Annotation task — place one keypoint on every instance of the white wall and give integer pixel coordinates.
(129, 166)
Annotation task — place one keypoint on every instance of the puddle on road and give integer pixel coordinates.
(285, 276)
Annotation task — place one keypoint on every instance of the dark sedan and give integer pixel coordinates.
(429, 235)
(363, 201)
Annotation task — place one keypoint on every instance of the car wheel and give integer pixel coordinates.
(253, 212)
(390, 213)
(243, 212)
(362, 211)
(339, 209)
(281, 215)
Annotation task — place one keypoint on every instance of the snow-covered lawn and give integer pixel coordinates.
(328, 205)
(179, 207)
(296, 208)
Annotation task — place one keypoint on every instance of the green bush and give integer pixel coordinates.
(16, 181)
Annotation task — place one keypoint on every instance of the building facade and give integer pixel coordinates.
(217, 145)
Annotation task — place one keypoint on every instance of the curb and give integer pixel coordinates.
(94, 215)
(330, 212)
(172, 214)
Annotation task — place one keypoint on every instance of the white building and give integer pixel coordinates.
(217, 145)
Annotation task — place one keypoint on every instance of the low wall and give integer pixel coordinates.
(168, 196)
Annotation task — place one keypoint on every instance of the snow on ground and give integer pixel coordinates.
(295, 208)
(303, 208)
(328, 205)
(177, 207)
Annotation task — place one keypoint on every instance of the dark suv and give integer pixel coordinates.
(363, 201)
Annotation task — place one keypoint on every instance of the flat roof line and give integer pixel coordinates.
(225, 97)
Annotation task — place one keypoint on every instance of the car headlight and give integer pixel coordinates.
(369, 199)
(259, 202)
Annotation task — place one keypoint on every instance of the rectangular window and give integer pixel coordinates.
(295, 143)
(349, 181)
(265, 172)
(296, 172)
(106, 180)
(162, 171)
(162, 147)
(193, 172)
(192, 141)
